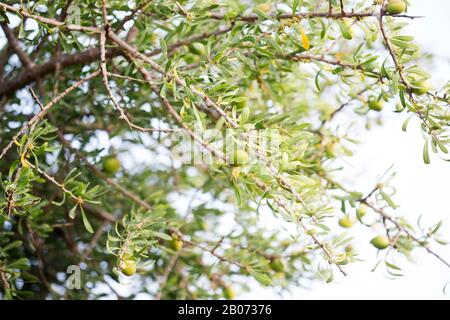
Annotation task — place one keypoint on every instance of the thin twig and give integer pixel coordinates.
(56, 23)
(45, 109)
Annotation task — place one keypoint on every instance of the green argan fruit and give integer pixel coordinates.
(420, 87)
(239, 157)
(345, 222)
(375, 105)
(128, 267)
(361, 211)
(380, 242)
(176, 244)
(396, 6)
(229, 293)
(111, 165)
(276, 265)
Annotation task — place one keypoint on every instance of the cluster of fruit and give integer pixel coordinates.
(380, 242)
(128, 265)
(418, 87)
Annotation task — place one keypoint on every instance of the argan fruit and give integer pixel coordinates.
(361, 211)
(396, 6)
(346, 222)
(375, 105)
(239, 157)
(176, 244)
(420, 87)
(276, 265)
(264, 7)
(128, 267)
(380, 242)
(229, 293)
(111, 165)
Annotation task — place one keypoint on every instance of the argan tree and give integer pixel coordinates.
(142, 142)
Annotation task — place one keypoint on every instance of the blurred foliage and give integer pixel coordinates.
(171, 229)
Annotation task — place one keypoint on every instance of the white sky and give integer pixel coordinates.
(422, 189)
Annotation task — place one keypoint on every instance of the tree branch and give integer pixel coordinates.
(39, 71)
(56, 23)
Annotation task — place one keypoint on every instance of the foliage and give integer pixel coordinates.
(253, 87)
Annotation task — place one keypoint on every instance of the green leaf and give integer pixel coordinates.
(163, 45)
(316, 81)
(22, 33)
(3, 16)
(86, 223)
(295, 5)
(162, 235)
(237, 193)
(261, 277)
(402, 97)
(426, 154)
(388, 199)
(12, 245)
(73, 211)
(405, 123)
(345, 30)
(392, 266)
(22, 264)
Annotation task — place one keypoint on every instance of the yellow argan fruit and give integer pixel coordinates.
(375, 105)
(276, 265)
(128, 267)
(229, 293)
(396, 6)
(346, 222)
(420, 87)
(111, 165)
(176, 244)
(361, 211)
(380, 242)
(264, 7)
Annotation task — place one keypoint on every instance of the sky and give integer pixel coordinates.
(421, 189)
